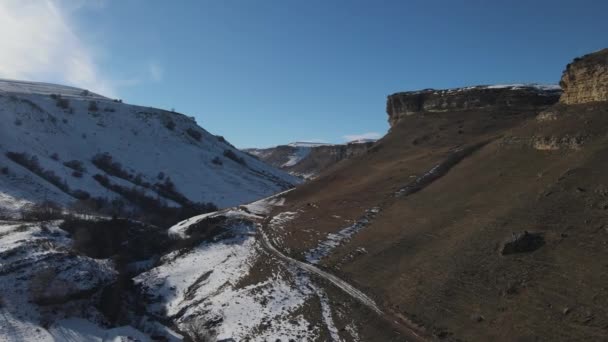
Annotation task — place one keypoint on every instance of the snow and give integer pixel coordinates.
(333, 240)
(135, 136)
(543, 87)
(39, 88)
(307, 144)
(362, 141)
(211, 283)
(36, 264)
(300, 153)
(203, 286)
(81, 330)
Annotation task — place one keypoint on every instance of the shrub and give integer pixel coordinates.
(231, 155)
(18, 122)
(44, 211)
(217, 161)
(62, 103)
(221, 138)
(156, 211)
(93, 106)
(104, 162)
(196, 135)
(75, 165)
(31, 163)
(81, 194)
(39, 287)
(77, 174)
(161, 175)
(170, 125)
(198, 331)
(55, 156)
(4, 170)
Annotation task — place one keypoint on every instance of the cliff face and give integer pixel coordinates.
(522, 97)
(308, 160)
(586, 79)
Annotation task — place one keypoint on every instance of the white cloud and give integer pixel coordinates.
(368, 135)
(155, 71)
(40, 44)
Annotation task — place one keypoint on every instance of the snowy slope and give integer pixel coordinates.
(48, 292)
(235, 289)
(151, 143)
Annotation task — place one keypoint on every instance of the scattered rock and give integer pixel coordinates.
(566, 311)
(477, 318)
(523, 243)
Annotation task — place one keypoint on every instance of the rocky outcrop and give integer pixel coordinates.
(586, 79)
(517, 96)
(307, 160)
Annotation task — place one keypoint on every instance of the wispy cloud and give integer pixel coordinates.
(368, 135)
(156, 71)
(41, 44)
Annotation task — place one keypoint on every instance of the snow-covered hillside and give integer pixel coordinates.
(62, 130)
(51, 292)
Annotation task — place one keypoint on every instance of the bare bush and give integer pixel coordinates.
(231, 155)
(196, 135)
(44, 211)
(198, 332)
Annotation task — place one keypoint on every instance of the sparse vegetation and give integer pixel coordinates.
(93, 106)
(155, 209)
(104, 162)
(75, 165)
(44, 211)
(196, 135)
(31, 163)
(199, 332)
(102, 239)
(170, 124)
(61, 102)
(231, 155)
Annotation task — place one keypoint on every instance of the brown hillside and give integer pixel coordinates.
(450, 250)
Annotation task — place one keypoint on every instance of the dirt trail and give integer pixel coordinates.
(409, 333)
(404, 325)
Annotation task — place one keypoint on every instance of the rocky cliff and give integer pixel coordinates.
(586, 79)
(516, 96)
(307, 160)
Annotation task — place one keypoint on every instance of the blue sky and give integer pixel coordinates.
(274, 71)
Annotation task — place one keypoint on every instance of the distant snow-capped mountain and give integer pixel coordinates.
(63, 143)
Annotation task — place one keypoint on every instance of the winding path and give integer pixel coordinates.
(346, 287)
(396, 320)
